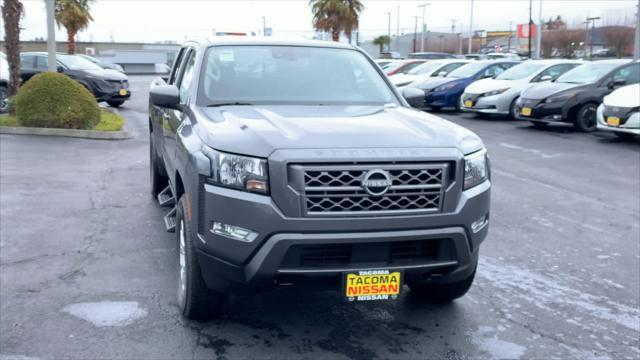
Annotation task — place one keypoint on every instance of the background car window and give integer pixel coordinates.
(494, 70)
(629, 74)
(41, 63)
(27, 62)
(187, 76)
(410, 66)
(450, 67)
(555, 71)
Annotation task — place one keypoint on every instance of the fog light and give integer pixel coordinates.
(233, 232)
(479, 224)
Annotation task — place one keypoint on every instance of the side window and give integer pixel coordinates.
(187, 76)
(176, 66)
(449, 68)
(494, 70)
(41, 63)
(554, 72)
(629, 74)
(27, 62)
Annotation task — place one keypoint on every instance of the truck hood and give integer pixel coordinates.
(544, 90)
(260, 130)
(486, 85)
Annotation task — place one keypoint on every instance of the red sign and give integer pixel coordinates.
(523, 33)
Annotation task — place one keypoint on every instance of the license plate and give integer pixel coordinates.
(468, 103)
(526, 111)
(123, 92)
(613, 121)
(372, 285)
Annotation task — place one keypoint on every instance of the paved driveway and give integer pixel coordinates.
(87, 271)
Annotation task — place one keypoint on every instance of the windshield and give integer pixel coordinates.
(586, 74)
(467, 70)
(520, 71)
(425, 69)
(290, 75)
(74, 62)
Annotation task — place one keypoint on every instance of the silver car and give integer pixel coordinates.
(498, 95)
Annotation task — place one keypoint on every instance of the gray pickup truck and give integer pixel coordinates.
(297, 164)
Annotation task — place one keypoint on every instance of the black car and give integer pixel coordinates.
(431, 55)
(574, 97)
(106, 85)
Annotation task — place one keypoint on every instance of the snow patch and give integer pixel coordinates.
(107, 313)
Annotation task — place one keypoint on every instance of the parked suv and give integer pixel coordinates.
(106, 85)
(341, 185)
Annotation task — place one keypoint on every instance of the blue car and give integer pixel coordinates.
(446, 91)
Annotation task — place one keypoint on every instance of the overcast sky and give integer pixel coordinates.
(158, 20)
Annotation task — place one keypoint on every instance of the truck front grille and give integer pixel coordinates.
(357, 189)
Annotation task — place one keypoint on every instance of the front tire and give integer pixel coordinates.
(195, 300)
(513, 110)
(442, 293)
(115, 103)
(586, 119)
(4, 99)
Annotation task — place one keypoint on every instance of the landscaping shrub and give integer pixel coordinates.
(55, 100)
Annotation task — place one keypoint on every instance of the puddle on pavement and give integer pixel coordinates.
(107, 313)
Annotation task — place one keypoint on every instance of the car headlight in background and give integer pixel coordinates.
(476, 169)
(445, 87)
(561, 97)
(495, 92)
(238, 172)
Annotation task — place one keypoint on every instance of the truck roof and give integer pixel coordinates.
(274, 41)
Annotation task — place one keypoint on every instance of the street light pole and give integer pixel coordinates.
(539, 34)
(529, 29)
(470, 30)
(415, 33)
(636, 52)
(51, 36)
(423, 6)
(593, 24)
(398, 30)
(389, 31)
(264, 26)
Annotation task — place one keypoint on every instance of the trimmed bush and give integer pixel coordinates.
(56, 101)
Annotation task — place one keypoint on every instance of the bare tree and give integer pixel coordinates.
(618, 38)
(11, 14)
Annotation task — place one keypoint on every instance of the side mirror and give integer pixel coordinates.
(546, 78)
(442, 73)
(59, 69)
(164, 95)
(414, 96)
(617, 83)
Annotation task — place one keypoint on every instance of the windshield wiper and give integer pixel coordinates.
(229, 104)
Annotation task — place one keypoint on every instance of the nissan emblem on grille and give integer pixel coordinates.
(376, 182)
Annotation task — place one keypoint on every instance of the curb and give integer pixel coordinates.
(85, 134)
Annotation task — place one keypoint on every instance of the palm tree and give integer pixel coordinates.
(74, 16)
(381, 41)
(11, 14)
(336, 16)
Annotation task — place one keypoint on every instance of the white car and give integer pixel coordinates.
(4, 83)
(432, 68)
(620, 112)
(498, 96)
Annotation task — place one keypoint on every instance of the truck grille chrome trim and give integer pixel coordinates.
(347, 189)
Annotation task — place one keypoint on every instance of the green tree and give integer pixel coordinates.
(11, 13)
(74, 15)
(381, 41)
(336, 16)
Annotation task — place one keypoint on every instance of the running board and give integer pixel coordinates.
(165, 197)
(170, 220)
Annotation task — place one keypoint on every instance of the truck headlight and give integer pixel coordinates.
(238, 172)
(476, 169)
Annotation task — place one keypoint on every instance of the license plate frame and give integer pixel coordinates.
(358, 288)
(613, 121)
(525, 111)
(468, 103)
(123, 92)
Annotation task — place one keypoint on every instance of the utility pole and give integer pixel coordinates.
(389, 31)
(509, 38)
(264, 26)
(636, 48)
(415, 33)
(470, 30)
(423, 6)
(398, 30)
(593, 24)
(529, 30)
(453, 26)
(51, 36)
(539, 34)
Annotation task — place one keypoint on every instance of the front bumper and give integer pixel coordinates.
(105, 90)
(631, 124)
(234, 266)
(442, 98)
(496, 104)
(545, 112)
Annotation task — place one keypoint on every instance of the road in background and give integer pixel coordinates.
(87, 270)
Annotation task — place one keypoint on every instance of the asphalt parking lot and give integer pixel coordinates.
(87, 270)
